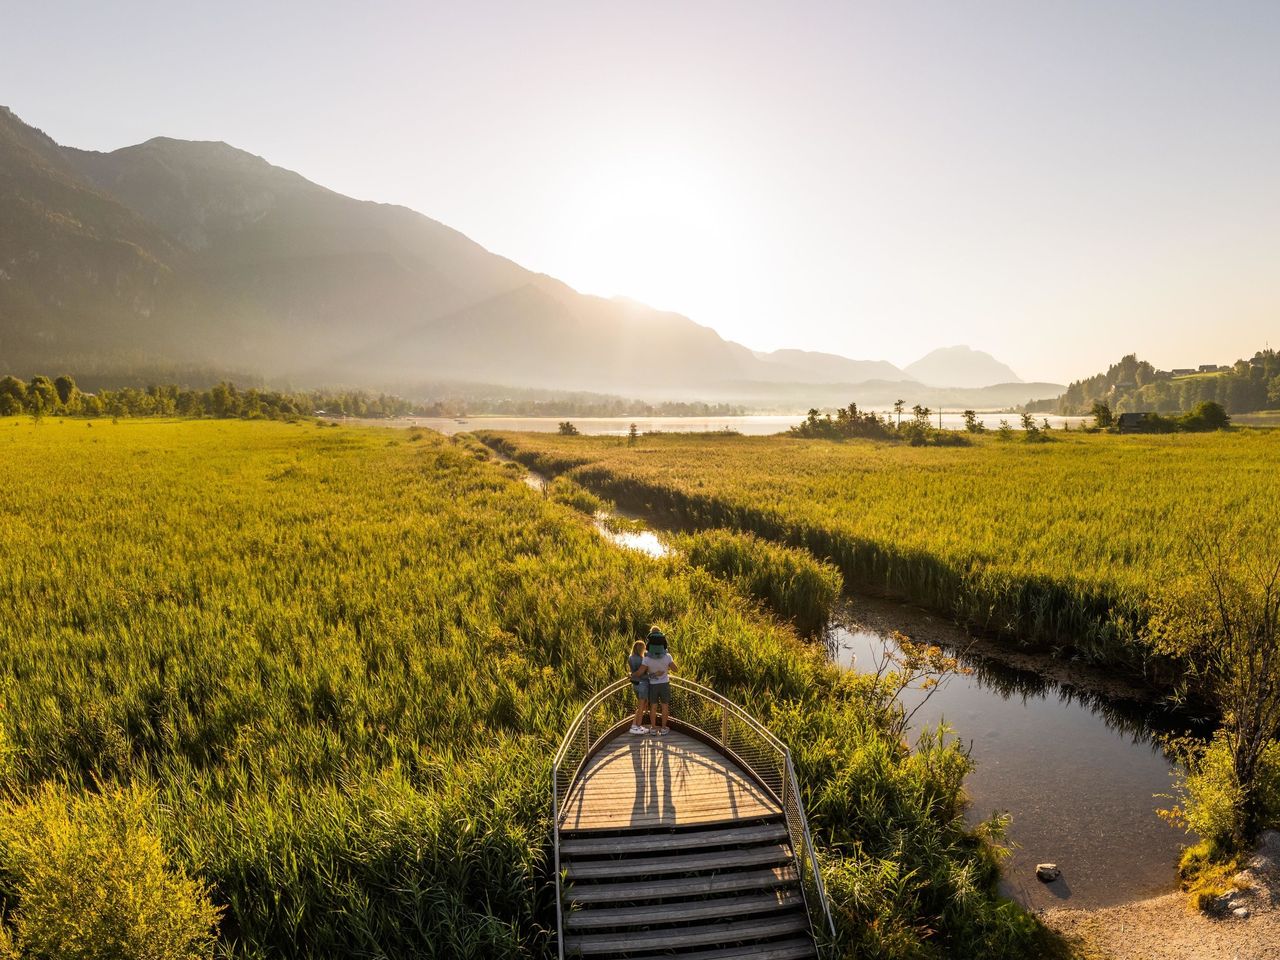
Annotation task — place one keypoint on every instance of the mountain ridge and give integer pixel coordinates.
(185, 252)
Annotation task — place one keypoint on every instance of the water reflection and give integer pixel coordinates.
(1078, 772)
(646, 541)
(626, 530)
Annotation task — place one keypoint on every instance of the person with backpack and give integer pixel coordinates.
(657, 667)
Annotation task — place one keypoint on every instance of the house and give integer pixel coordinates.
(1209, 368)
(1182, 371)
(1133, 422)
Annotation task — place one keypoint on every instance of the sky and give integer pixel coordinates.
(1056, 183)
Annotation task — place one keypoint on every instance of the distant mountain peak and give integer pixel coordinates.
(961, 366)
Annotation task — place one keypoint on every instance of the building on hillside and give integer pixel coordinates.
(1182, 371)
(1133, 422)
(1209, 368)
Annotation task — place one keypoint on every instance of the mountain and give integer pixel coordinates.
(174, 255)
(183, 253)
(960, 367)
(807, 366)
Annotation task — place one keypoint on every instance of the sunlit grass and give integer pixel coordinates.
(340, 660)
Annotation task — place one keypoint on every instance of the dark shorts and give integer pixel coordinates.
(641, 689)
(660, 692)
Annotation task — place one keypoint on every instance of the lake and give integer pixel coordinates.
(755, 425)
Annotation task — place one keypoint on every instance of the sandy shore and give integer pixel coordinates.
(1166, 928)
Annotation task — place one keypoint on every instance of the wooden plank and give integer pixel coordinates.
(676, 841)
(686, 936)
(681, 912)
(679, 886)
(673, 798)
(725, 801)
(798, 948)
(679, 863)
(614, 826)
(660, 820)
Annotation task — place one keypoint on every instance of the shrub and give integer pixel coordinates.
(790, 580)
(565, 491)
(90, 879)
(1207, 798)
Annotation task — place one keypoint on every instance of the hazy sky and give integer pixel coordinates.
(1056, 183)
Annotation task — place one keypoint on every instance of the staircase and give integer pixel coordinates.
(712, 891)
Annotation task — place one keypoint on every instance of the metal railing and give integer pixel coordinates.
(742, 738)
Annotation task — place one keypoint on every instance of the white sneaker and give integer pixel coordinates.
(663, 731)
(637, 729)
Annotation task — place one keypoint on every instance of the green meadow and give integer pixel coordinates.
(288, 690)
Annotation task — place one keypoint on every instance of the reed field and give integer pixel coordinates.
(289, 690)
(1066, 543)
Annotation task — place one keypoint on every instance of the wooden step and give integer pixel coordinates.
(649, 842)
(798, 948)
(596, 943)
(665, 913)
(648, 866)
(628, 891)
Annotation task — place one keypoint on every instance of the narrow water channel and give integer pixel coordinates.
(1078, 773)
(641, 538)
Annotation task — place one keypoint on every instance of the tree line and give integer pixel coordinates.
(1133, 386)
(59, 396)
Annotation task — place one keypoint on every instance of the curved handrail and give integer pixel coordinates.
(733, 730)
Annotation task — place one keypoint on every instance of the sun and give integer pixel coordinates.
(657, 226)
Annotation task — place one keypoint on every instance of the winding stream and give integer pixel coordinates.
(1078, 772)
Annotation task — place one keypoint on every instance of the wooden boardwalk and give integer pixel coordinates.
(671, 849)
(648, 782)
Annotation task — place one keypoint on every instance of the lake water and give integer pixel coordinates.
(619, 426)
(1078, 774)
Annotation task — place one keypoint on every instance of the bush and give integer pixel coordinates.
(1208, 797)
(564, 491)
(790, 580)
(87, 878)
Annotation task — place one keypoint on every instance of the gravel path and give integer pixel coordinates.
(1165, 928)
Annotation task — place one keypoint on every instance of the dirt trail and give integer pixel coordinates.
(1165, 928)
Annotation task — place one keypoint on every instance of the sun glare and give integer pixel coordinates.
(656, 226)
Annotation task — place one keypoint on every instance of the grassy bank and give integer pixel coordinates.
(321, 672)
(1064, 543)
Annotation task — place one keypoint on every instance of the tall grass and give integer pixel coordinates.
(789, 581)
(340, 660)
(1064, 544)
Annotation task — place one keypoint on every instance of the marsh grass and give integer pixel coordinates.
(1067, 545)
(341, 660)
(788, 580)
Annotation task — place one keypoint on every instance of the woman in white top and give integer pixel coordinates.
(656, 668)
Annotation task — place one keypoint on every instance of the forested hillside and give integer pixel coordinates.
(1134, 385)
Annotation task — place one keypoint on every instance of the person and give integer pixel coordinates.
(657, 667)
(640, 684)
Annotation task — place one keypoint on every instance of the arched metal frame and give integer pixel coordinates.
(703, 713)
